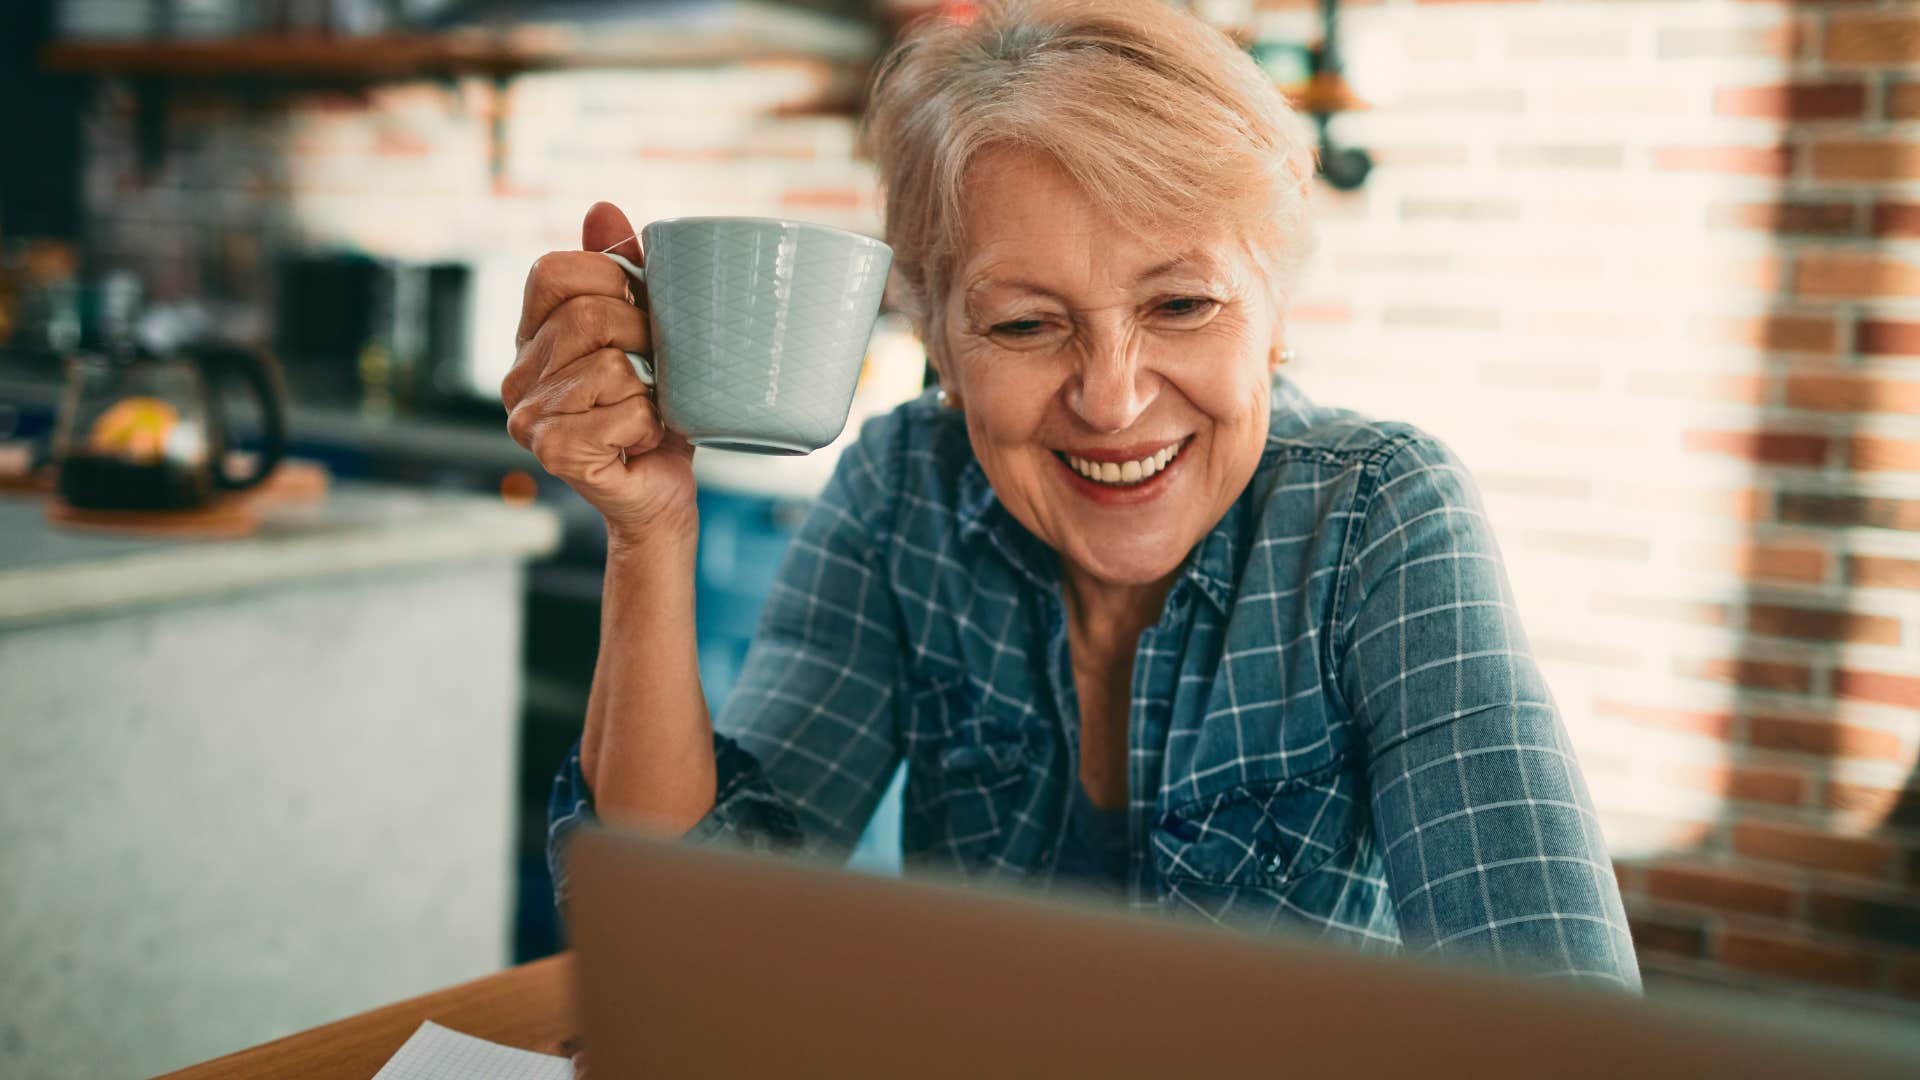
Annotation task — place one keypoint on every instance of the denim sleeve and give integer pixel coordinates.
(1492, 846)
(806, 742)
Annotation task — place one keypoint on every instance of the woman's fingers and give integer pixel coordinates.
(604, 378)
(559, 276)
(588, 446)
(578, 328)
(606, 228)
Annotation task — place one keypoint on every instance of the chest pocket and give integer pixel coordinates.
(1264, 836)
(970, 775)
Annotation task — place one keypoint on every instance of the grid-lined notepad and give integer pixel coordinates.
(437, 1053)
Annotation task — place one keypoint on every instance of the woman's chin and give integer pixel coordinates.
(1125, 562)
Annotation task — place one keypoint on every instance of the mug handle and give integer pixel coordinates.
(642, 366)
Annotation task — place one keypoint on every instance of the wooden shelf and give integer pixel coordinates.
(402, 55)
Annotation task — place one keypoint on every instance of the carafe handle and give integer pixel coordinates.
(262, 378)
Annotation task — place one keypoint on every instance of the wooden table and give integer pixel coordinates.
(528, 1007)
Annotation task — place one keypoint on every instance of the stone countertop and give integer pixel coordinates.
(49, 573)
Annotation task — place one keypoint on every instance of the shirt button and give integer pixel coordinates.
(1272, 864)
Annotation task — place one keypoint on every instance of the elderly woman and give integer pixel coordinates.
(1136, 614)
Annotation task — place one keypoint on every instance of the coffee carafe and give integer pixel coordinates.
(146, 430)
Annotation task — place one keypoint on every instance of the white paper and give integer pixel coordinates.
(437, 1053)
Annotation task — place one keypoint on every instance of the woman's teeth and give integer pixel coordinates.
(1129, 472)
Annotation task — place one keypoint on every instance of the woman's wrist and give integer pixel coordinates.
(654, 542)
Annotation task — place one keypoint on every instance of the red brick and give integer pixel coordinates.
(1721, 890)
(1852, 393)
(1714, 725)
(1793, 101)
(1863, 159)
(1776, 787)
(1880, 687)
(1883, 572)
(1888, 337)
(1874, 39)
(1764, 447)
(1774, 333)
(1835, 273)
(1797, 958)
(1870, 807)
(1778, 620)
(1888, 919)
(1756, 674)
(1903, 101)
(1866, 454)
(1788, 218)
(1672, 936)
(1741, 160)
(1862, 855)
(1896, 219)
(1825, 738)
(1760, 562)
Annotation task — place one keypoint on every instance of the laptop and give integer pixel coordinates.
(698, 963)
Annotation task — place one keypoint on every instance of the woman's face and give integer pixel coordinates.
(1115, 386)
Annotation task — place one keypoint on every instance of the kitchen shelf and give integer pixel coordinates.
(400, 55)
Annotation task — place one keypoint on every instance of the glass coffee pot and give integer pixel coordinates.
(142, 430)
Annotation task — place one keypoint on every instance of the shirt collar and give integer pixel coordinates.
(1211, 566)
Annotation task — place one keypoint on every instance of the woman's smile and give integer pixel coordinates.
(1125, 476)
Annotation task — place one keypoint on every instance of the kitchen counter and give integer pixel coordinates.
(49, 573)
(232, 772)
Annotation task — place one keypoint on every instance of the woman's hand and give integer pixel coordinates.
(573, 399)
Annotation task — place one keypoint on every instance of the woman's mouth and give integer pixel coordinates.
(1134, 476)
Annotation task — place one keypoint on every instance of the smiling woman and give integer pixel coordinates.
(1135, 613)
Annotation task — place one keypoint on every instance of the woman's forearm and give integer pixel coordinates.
(648, 746)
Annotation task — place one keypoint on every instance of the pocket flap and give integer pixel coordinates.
(1261, 833)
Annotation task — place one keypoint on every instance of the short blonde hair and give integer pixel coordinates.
(1158, 117)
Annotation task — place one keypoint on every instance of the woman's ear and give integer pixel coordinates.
(1279, 353)
(934, 342)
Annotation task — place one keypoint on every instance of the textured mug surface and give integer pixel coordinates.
(760, 327)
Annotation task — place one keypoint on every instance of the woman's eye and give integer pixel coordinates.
(1187, 306)
(1020, 327)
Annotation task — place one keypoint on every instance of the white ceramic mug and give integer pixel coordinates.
(759, 328)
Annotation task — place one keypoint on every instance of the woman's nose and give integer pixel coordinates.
(1111, 391)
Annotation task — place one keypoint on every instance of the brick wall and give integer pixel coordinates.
(433, 171)
(1654, 270)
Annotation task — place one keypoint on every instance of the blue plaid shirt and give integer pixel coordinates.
(1335, 727)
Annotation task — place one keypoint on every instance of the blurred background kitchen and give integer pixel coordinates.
(1653, 269)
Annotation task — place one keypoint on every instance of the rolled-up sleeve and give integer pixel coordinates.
(1492, 846)
(807, 739)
